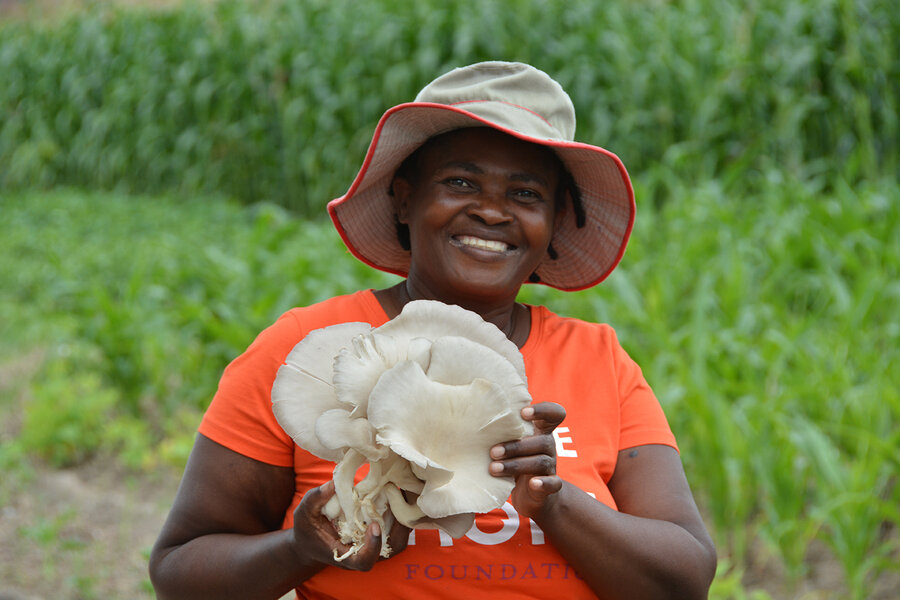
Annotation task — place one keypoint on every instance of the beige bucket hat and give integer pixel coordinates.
(521, 101)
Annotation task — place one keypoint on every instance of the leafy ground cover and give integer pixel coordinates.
(766, 324)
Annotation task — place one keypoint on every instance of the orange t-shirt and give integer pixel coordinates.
(609, 407)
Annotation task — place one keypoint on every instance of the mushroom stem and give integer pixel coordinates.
(354, 507)
(344, 473)
(403, 511)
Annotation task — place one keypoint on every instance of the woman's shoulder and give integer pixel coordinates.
(552, 325)
(359, 306)
(563, 338)
(294, 324)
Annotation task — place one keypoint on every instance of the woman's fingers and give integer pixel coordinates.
(398, 537)
(533, 494)
(544, 486)
(366, 557)
(531, 460)
(370, 553)
(545, 416)
(537, 464)
(317, 537)
(534, 445)
(320, 540)
(540, 490)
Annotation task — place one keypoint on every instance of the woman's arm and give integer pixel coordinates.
(654, 546)
(223, 536)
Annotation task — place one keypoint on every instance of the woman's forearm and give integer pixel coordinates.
(624, 556)
(224, 566)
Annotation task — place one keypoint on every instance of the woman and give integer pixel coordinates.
(470, 191)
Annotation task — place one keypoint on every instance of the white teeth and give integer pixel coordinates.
(467, 240)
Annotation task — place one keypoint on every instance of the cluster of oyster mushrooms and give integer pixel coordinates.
(421, 399)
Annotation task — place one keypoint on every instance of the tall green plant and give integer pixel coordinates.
(277, 101)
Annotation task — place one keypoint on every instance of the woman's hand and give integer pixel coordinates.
(316, 538)
(532, 460)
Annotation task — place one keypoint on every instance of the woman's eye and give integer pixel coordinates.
(458, 182)
(527, 196)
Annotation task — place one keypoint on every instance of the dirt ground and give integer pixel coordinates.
(80, 533)
(77, 533)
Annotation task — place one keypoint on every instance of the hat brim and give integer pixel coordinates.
(365, 215)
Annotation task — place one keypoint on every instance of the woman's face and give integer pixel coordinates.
(480, 211)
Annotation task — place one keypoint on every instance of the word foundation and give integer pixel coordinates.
(491, 572)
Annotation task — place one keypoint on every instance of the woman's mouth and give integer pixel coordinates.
(482, 244)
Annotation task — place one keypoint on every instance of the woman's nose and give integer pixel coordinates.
(490, 207)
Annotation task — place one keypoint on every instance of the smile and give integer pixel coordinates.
(482, 244)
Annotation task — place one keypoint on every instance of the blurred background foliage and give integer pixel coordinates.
(277, 101)
(163, 176)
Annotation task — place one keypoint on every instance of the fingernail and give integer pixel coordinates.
(498, 452)
(376, 529)
(496, 468)
(536, 483)
(527, 412)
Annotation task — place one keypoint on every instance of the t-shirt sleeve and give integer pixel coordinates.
(642, 420)
(240, 415)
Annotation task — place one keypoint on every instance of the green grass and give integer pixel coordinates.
(138, 304)
(766, 323)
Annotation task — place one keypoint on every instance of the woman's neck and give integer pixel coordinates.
(510, 317)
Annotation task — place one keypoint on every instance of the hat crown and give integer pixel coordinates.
(512, 95)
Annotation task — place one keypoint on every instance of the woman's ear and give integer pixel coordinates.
(401, 190)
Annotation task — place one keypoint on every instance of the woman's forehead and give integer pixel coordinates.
(473, 147)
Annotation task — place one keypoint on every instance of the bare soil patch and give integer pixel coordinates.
(81, 533)
(78, 533)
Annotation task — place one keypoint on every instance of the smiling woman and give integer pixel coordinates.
(469, 192)
(480, 213)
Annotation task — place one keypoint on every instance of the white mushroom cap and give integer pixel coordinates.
(458, 361)
(411, 515)
(358, 367)
(303, 388)
(446, 432)
(337, 430)
(431, 319)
